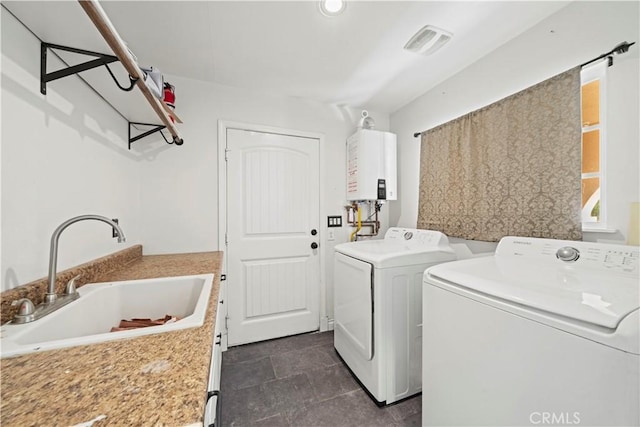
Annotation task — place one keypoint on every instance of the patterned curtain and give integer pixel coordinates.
(511, 168)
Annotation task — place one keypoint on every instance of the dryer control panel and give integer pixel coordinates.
(416, 237)
(600, 256)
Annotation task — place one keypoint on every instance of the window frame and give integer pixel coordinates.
(590, 73)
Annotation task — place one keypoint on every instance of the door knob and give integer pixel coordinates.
(314, 232)
(314, 245)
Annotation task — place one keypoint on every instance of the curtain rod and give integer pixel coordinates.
(618, 50)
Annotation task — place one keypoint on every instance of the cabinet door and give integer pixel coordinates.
(215, 365)
(211, 416)
(221, 316)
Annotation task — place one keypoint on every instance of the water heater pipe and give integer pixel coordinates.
(353, 235)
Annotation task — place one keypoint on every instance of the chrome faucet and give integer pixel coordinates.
(27, 312)
(51, 296)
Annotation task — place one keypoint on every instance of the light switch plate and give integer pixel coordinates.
(331, 234)
(334, 221)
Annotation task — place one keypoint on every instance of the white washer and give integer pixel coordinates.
(378, 307)
(544, 332)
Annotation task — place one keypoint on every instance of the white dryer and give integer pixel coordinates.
(544, 332)
(378, 307)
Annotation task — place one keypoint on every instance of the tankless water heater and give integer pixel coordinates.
(371, 166)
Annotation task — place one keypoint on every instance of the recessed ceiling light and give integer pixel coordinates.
(332, 7)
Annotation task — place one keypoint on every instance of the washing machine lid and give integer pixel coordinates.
(600, 288)
(401, 247)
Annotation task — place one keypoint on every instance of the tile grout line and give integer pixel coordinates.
(316, 381)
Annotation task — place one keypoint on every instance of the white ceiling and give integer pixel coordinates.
(289, 48)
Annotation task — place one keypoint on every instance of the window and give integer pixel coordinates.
(593, 81)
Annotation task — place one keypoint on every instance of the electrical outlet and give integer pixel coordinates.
(331, 234)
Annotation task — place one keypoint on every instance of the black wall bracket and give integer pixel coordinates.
(156, 128)
(101, 59)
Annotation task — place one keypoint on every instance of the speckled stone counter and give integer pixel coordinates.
(154, 380)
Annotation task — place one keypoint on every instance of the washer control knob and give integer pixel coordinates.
(568, 254)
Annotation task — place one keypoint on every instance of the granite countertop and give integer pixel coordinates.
(158, 380)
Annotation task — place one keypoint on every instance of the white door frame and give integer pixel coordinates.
(223, 125)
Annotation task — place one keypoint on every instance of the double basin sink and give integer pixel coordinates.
(101, 306)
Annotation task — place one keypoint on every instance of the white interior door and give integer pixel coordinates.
(272, 212)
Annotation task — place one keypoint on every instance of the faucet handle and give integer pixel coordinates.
(71, 286)
(26, 311)
(26, 306)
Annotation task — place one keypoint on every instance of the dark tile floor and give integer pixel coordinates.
(300, 381)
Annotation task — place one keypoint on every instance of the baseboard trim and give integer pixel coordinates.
(326, 324)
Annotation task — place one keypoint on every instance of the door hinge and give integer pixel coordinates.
(226, 239)
(226, 323)
(226, 154)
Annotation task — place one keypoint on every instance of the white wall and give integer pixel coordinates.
(623, 144)
(575, 34)
(179, 190)
(63, 154)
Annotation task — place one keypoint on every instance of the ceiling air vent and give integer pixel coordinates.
(428, 40)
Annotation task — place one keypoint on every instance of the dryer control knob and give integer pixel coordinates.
(568, 254)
